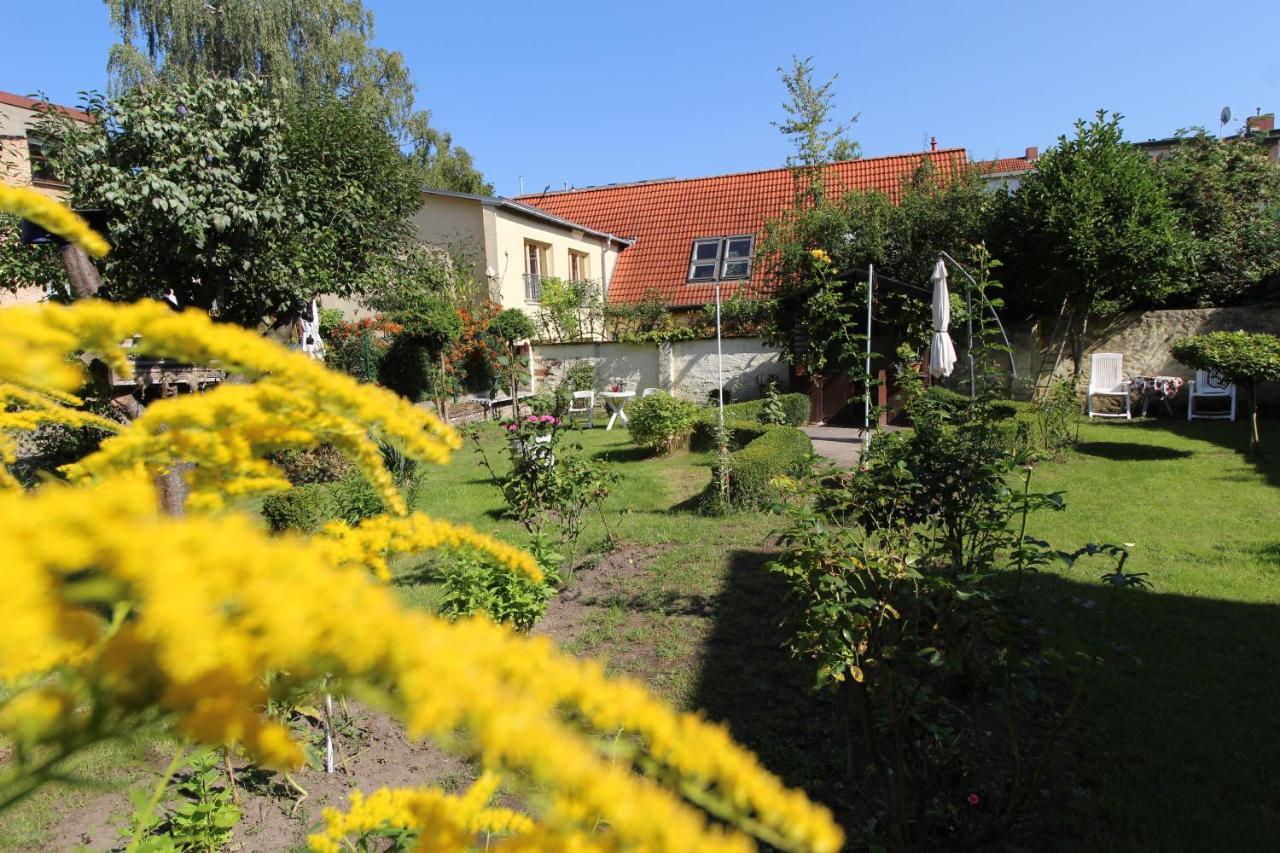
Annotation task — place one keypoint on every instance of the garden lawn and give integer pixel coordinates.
(1177, 746)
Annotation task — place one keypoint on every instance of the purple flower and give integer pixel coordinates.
(182, 109)
(548, 419)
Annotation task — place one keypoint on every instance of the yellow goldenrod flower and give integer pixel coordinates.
(820, 256)
(207, 604)
(53, 217)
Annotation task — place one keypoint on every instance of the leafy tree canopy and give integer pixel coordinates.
(935, 213)
(216, 191)
(1227, 193)
(23, 265)
(818, 138)
(1093, 225)
(312, 48)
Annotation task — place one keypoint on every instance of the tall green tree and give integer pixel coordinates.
(1227, 193)
(934, 212)
(818, 137)
(218, 193)
(299, 48)
(1092, 231)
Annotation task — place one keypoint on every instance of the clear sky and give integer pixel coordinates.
(590, 93)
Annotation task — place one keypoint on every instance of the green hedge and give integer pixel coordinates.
(308, 507)
(780, 450)
(743, 420)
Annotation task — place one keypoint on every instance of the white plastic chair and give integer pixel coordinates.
(1209, 385)
(584, 402)
(1106, 379)
(646, 392)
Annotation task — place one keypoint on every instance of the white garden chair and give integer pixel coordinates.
(1209, 385)
(584, 403)
(1106, 379)
(646, 392)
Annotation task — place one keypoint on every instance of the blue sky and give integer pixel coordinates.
(596, 93)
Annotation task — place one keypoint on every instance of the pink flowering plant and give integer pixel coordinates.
(549, 485)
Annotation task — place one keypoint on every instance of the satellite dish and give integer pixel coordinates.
(1225, 115)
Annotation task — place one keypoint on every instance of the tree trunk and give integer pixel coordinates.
(83, 275)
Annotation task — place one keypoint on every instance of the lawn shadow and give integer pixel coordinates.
(1121, 451)
(1185, 701)
(1227, 435)
(624, 454)
(751, 683)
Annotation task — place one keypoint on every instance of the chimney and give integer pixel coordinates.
(1262, 123)
(933, 143)
(1032, 153)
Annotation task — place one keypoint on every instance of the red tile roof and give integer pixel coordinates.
(1005, 165)
(664, 217)
(31, 103)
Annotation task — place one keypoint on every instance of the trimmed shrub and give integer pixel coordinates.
(781, 451)
(322, 464)
(308, 507)
(743, 420)
(302, 508)
(661, 422)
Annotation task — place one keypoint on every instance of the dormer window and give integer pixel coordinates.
(721, 258)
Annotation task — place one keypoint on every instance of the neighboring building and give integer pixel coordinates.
(516, 247)
(23, 160)
(1261, 127)
(23, 163)
(686, 234)
(1006, 173)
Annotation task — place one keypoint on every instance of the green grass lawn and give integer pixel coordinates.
(1177, 745)
(1178, 742)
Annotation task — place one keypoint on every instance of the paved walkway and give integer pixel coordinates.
(842, 445)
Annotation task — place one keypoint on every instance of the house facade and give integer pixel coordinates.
(517, 247)
(24, 163)
(685, 236)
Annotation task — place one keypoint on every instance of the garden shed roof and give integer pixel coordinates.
(664, 217)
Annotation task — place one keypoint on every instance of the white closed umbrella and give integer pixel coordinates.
(942, 355)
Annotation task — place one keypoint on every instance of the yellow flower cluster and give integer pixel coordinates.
(25, 410)
(369, 543)
(820, 256)
(296, 402)
(445, 822)
(213, 603)
(112, 612)
(52, 217)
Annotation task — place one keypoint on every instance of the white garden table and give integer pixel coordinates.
(617, 402)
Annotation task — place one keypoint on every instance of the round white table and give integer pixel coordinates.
(617, 401)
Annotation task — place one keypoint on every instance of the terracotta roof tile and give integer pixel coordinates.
(665, 217)
(1005, 165)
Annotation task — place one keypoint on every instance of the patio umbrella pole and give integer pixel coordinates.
(866, 381)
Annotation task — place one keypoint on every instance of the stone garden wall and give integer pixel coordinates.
(686, 369)
(1144, 339)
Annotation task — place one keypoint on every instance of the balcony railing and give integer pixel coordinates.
(533, 286)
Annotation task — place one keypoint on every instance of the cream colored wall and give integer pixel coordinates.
(453, 223)
(511, 232)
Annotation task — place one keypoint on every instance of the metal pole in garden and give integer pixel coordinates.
(719, 358)
(866, 379)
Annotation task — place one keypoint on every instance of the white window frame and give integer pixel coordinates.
(582, 261)
(726, 260)
(695, 261)
(721, 259)
(533, 279)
